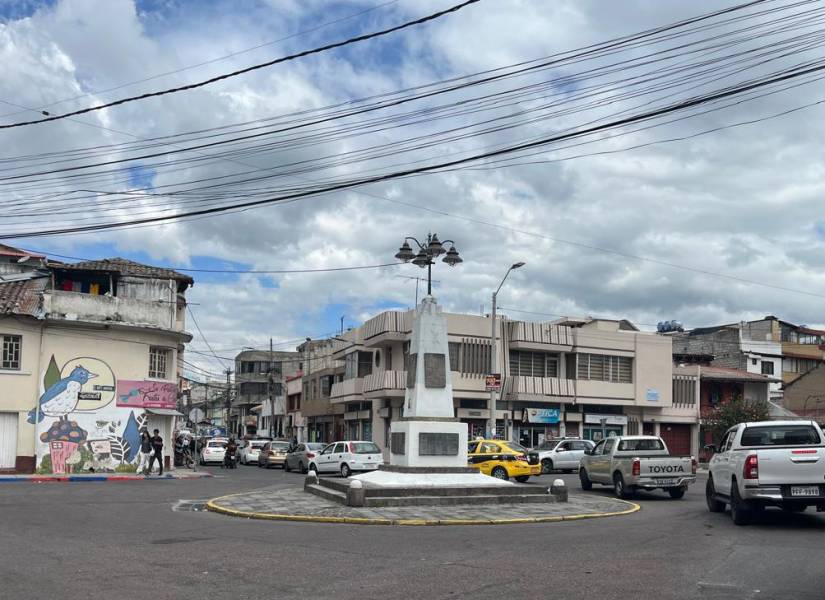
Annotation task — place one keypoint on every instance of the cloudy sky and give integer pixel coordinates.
(618, 227)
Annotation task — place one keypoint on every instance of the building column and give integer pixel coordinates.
(695, 444)
(657, 429)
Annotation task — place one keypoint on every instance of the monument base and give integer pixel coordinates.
(428, 443)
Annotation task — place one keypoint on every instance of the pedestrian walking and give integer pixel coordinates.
(157, 452)
(145, 451)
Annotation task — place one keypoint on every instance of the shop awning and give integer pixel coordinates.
(164, 412)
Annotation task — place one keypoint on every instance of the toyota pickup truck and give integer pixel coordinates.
(768, 463)
(636, 462)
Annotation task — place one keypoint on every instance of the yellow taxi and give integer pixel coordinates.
(502, 459)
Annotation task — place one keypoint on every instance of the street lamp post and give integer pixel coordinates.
(427, 253)
(491, 422)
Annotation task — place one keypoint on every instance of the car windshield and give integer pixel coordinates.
(215, 444)
(549, 445)
(515, 447)
(640, 445)
(315, 446)
(257, 444)
(280, 446)
(363, 448)
(780, 435)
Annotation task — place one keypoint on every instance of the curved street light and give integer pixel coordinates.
(431, 249)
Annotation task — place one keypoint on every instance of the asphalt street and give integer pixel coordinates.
(132, 540)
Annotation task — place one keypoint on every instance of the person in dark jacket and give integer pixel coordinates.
(157, 446)
(145, 450)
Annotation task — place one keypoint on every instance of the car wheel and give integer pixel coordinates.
(620, 489)
(301, 467)
(500, 473)
(345, 470)
(522, 478)
(287, 468)
(546, 465)
(676, 493)
(714, 505)
(739, 510)
(584, 478)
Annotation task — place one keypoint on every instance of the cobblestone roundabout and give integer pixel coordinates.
(296, 505)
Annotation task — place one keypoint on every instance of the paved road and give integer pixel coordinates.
(109, 540)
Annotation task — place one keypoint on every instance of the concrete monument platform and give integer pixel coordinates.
(294, 505)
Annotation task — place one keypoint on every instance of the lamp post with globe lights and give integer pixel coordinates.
(431, 249)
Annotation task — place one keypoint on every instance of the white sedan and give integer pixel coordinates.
(249, 451)
(213, 452)
(347, 457)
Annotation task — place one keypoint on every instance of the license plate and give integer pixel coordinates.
(666, 481)
(369, 466)
(804, 490)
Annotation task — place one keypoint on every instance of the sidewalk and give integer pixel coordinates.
(297, 505)
(100, 477)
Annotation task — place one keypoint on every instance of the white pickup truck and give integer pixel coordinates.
(768, 463)
(634, 462)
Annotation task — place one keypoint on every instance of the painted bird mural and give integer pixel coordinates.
(62, 397)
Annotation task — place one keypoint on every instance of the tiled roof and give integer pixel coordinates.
(22, 296)
(12, 251)
(726, 374)
(128, 268)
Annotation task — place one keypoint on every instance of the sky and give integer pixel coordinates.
(678, 230)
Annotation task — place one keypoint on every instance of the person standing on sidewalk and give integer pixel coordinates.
(145, 451)
(157, 452)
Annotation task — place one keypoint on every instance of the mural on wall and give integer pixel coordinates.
(80, 428)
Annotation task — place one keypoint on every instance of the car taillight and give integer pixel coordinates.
(637, 467)
(751, 467)
(693, 465)
(310, 455)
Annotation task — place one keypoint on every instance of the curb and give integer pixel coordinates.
(216, 508)
(93, 478)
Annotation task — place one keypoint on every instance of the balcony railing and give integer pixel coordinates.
(385, 380)
(388, 322)
(540, 333)
(89, 307)
(348, 387)
(539, 386)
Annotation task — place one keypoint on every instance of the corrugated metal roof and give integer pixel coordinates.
(22, 297)
(726, 374)
(126, 267)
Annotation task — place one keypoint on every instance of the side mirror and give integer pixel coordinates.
(711, 448)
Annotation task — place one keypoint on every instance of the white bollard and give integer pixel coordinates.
(559, 490)
(356, 494)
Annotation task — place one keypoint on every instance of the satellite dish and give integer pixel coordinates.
(196, 415)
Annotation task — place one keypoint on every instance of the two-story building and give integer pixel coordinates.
(582, 377)
(90, 355)
(323, 419)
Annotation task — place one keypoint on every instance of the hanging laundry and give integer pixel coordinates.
(94, 289)
(77, 286)
(66, 285)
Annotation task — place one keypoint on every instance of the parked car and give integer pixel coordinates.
(633, 462)
(213, 451)
(769, 463)
(562, 454)
(249, 450)
(273, 454)
(347, 457)
(502, 460)
(301, 455)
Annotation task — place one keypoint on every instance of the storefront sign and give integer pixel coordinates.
(146, 394)
(608, 419)
(652, 395)
(542, 415)
(492, 383)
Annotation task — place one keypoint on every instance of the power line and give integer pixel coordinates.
(203, 337)
(270, 63)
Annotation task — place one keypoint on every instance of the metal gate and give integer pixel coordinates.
(677, 437)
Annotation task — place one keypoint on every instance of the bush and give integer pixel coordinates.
(738, 410)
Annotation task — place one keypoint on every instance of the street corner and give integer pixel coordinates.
(296, 505)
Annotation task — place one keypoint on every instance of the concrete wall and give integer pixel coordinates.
(86, 307)
(806, 397)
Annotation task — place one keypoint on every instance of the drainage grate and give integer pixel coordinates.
(190, 506)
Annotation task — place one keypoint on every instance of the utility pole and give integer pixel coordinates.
(342, 324)
(271, 385)
(228, 400)
(308, 372)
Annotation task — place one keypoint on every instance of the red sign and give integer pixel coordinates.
(146, 394)
(492, 382)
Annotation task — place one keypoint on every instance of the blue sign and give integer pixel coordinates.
(543, 415)
(652, 395)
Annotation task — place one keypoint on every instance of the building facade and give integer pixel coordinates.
(90, 355)
(260, 377)
(586, 378)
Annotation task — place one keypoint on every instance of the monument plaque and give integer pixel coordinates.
(397, 442)
(435, 371)
(412, 363)
(437, 444)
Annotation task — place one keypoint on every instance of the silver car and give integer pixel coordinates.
(301, 455)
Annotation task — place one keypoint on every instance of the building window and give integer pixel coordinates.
(388, 361)
(11, 352)
(158, 362)
(474, 357)
(534, 364)
(753, 361)
(455, 350)
(364, 364)
(767, 367)
(326, 386)
(602, 367)
(253, 387)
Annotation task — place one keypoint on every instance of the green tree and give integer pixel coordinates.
(738, 410)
